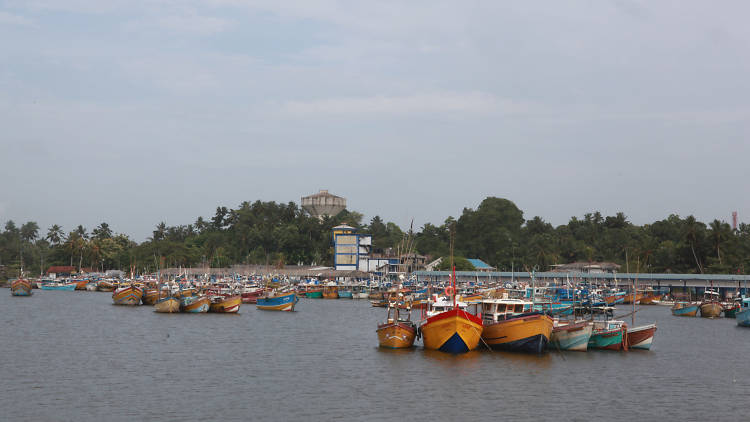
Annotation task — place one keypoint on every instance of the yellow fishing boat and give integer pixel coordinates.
(512, 324)
(331, 292)
(167, 305)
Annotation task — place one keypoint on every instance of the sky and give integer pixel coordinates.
(133, 112)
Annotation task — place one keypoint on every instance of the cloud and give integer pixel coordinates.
(197, 24)
(10, 19)
(454, 102)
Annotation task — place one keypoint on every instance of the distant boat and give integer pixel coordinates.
(743, 315)
(314, 293)
(21, 287)
(251, 294)
(59, 286)
(512, 324)
(571, 335)
(167, 305)
(331, 292)
(731, 309)
(345, 293)
(151, 296)
(80, 284)
(277, 302)
(397, 332)
(685, 309)
(710, 307)
(194, 304)
(128, 295)
(105, 286)
(640, 337)
(225, 304)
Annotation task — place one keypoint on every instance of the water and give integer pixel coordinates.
(74, 356)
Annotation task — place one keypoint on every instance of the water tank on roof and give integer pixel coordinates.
(323, 204)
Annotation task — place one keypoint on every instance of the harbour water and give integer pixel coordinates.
(75, 356)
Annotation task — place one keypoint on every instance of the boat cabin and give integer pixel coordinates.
(494, 310)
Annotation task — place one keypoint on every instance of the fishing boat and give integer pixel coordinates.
(450, 328)
(251, 294)
(711, 307)
(331, 292)
(21, 287)
(512, 324)
(80, 284)
(194, 304)
(743, 315)
(167, 305)
(730, 309)
(640, 337)
(344, 292)
(607, 335)
(277, 301)
(105, 286)
(151, 296)
(398, 331)
(314, 293)
(185, 292)
(128, 295)
(685, 309)
(571, 335)
(59, 286)
(225, 304)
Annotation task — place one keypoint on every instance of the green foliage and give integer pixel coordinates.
(275, 234)
(461, 264)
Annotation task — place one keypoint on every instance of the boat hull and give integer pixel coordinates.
(151, 296)
(278, 303)
(743, 318)
(66, 287)
(641, 337)
(454, 331)
(526, 333)
(128, 296)
(228, 305)
(21, 287)
(710, 310)
(314, 294)
(606, 339)
(682, 309)
(396, 335)
(345, 294)
(167, 305)
(195, 304)
(731, 312)
(573, 337)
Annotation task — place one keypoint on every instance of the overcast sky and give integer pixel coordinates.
(135, 112)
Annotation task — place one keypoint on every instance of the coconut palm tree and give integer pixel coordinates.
(55, 235)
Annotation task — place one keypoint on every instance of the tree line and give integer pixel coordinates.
(278, 234)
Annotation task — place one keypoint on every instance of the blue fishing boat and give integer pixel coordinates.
(571, 335)
(277, 302)
(345, 293)
(743, 315)
(685, 309)
(59, 286)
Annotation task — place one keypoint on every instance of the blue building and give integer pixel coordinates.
(351, 250)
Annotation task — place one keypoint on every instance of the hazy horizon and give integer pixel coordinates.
(137, 112)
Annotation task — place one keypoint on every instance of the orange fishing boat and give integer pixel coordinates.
(151, 296)
(129, 295)
(225, 304)
(331, 292)
(397, 332)
(21, 287)
(195, 304)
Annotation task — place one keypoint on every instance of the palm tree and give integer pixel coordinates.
(719, 234)
(29, 231)
(55, 234)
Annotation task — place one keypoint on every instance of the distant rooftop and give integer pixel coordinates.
(479, 264)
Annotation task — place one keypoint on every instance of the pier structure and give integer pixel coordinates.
(695, 283)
